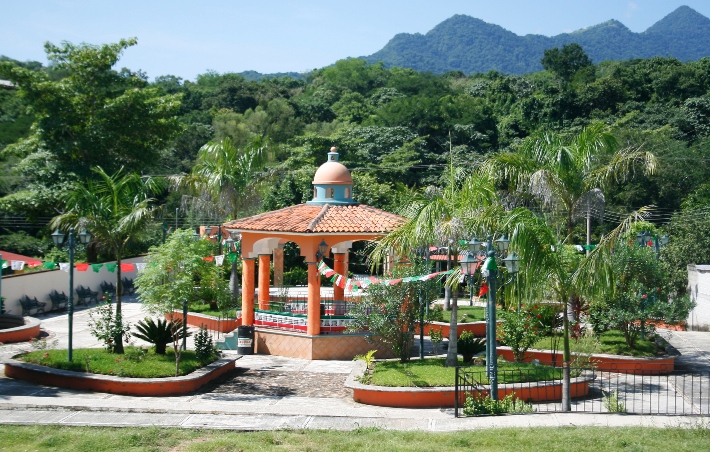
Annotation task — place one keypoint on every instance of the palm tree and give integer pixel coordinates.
(442, 215)
(221, 175)
(115, 209)
(568, 173)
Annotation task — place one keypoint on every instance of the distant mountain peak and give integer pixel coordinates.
(468, 44)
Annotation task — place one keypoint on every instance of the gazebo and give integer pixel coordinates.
(333, 220)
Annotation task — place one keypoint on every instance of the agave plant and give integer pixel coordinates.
(161, 333)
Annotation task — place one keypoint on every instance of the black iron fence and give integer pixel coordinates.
(674, 393)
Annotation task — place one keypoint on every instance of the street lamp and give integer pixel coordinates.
(322, 249)
(58, 238)
(490, 271)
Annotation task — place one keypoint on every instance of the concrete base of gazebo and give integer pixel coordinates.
(325, 346)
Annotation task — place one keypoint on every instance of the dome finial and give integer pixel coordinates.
(333, 154)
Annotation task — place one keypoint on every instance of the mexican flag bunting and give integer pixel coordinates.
(483, 290)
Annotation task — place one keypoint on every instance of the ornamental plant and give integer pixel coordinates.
(106, 327)
(519, 330)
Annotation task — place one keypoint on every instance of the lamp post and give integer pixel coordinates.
(422, 252)
(58, 239)
(208, 231)
(490, 271)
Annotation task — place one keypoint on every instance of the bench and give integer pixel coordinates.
(86, 295)
(59, 300)
(128, 287)
(108, 288)
(28, 304)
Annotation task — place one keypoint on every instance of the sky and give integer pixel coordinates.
(188, 38)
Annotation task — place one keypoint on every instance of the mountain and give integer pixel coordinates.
(471, 45)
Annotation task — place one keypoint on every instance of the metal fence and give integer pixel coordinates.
(674, 393)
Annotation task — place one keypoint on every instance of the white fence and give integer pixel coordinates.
(699, 283)
(40, 284)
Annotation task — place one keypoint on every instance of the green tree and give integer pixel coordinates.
(567, 172)
(116, 210)
(442, 216)
(221, 175)
(170, 277)
(566, 62)
(93, 116)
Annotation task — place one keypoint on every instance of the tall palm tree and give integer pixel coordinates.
(222, 173)
(442, 215)
(568, 172)
(115, 209)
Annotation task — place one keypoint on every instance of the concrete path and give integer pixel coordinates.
(27, 403)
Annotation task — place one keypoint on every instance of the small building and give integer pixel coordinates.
(333, 221)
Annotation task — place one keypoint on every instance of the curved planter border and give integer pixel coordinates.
(604, 362)
(210, 322)
(444, 396)
(118, 385)
(28, 328)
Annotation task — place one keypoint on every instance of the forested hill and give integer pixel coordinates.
(464, 43)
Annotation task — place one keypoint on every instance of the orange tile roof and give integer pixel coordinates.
(306, 218)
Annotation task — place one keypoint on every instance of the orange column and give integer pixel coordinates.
(279, 266)
(313, 327)
(341, 267)
(248, 292)
(264, 276)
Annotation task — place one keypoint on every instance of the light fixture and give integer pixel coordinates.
(468, 264)
(208, 231)
(502, 244)
(475, 246)
(195, 236)
(322, 249)
(512, 263)
(57, 237)
(85, 237)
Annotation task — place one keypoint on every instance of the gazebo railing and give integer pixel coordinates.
(291, 313)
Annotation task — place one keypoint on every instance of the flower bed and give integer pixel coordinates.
(16, 328)
(412, 397)
(613, 363)
(118, 385)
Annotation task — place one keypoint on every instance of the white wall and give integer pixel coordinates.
(699, 283)
(40, 284)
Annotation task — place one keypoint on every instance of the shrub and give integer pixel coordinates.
(204, 348)
(105, 327)
(436, 338)
(518, 331)
(470, 345)
(161, 333)
(478, 405)
(436, 314)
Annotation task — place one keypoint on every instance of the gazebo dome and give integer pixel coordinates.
(332, 183)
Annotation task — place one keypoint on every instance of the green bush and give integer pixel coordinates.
(478, 406)
(296, 277)
(470, 345)
(204, 348)
(161, 333)
(518, 331)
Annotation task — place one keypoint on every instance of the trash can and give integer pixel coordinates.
(245, 340)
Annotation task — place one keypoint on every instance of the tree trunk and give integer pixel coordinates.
(452, 358)
(118, 339)
(566, 395)
(447, 290)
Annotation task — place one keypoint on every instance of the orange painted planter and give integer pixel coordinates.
(444, 396)
(477, 328)
(611, 363)
(209, 322)
(118, 385)
(15, 328)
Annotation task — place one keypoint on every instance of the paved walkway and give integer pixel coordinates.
(269, 392)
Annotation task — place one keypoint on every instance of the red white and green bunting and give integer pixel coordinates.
(350, 284)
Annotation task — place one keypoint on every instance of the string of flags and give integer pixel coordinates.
(350, 284)
(111, 267)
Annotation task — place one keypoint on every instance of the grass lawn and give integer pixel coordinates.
(431, 372)
(579, 439)
(466, 314)
(99, 361)
(612, 342)
(205, 309)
